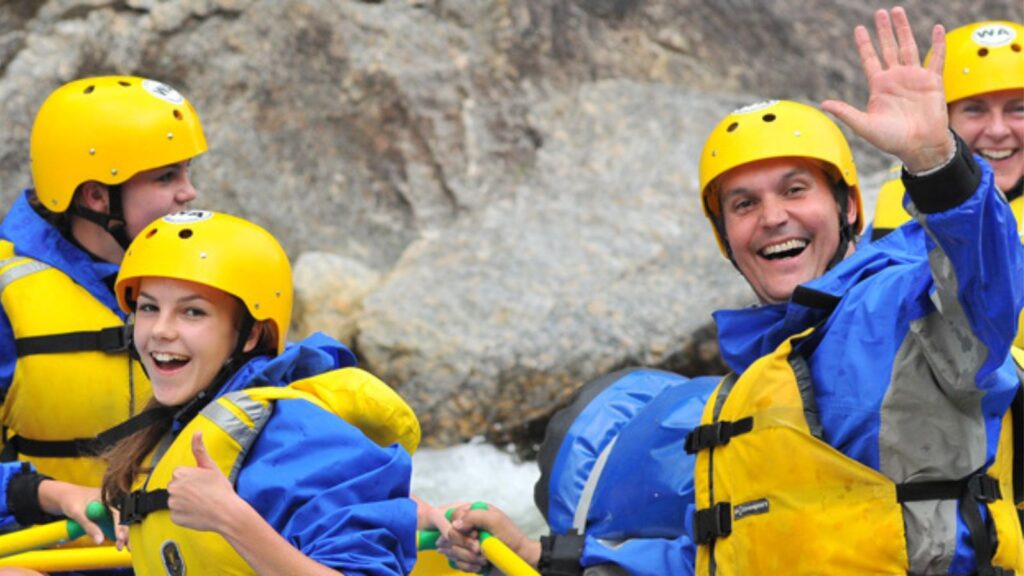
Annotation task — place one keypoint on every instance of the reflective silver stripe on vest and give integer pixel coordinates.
(17, 272)
(235, 427)
(579, 519)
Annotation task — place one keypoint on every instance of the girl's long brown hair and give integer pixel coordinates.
(125, 459)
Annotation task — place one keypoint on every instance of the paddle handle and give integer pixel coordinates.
(496, 551)
(96, 512)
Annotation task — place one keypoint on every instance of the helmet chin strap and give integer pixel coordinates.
(846, 233)
(113, 222)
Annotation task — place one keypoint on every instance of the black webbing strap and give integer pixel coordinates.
(136, 505)
(937, 490)
(85, 446)
(717, 434)
(712, 523)
(113, 339)
(968, 492)
(982, 540)
(982, 487)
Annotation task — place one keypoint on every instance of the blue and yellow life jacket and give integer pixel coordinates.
(230, 425)
(774, 498)
(73, 379)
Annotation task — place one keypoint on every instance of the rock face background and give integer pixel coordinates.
(491, 201)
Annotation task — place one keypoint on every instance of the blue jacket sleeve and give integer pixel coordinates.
(9, 470)
(977, 264)
(330, 491)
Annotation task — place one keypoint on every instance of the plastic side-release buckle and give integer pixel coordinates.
(129, 509)
(712, 523)
(135, 506)
(560, 554)
(984, 488)
(717, 434)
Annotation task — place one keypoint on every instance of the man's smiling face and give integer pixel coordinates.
(781, 222)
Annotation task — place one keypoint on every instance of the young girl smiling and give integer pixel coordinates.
(249, 468)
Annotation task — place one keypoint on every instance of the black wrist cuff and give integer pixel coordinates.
(560, 554)
(23, 497)
(948, 187)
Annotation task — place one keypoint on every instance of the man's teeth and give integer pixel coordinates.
(786, 246)
(997, 154)
(167, 357)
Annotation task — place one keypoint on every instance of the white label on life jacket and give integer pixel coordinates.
(993, 35)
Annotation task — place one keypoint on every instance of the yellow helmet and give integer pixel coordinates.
(983, 57)
(773, 129)
(216, 250)
(108, 129)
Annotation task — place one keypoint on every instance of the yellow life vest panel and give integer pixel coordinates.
(230, 426)
(773, 498)
(68, 395)
(889, 212)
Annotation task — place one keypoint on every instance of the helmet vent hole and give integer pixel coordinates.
(185, 234)
(1015, 47)
(768, 117)
(88, 90)
(124, 83)
(152, 233)
(177, 114)
(732, 126)
(983, 52)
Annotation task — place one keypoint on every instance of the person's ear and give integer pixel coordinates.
(94, 196)
(261, 331)
(851, 207)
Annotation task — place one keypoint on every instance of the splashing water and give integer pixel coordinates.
(479, 471)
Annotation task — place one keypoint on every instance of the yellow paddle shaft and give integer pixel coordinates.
(499, 554)
(35, 537)
(62, 559)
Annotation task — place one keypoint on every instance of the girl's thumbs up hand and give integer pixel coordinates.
(201, 497)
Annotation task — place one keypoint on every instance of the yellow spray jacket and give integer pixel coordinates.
(230, 427)
(774, 498)
(65, 390)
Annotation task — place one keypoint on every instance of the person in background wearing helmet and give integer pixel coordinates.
(109, 155)
(866, 427)
(264, 459)
(984, 82)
